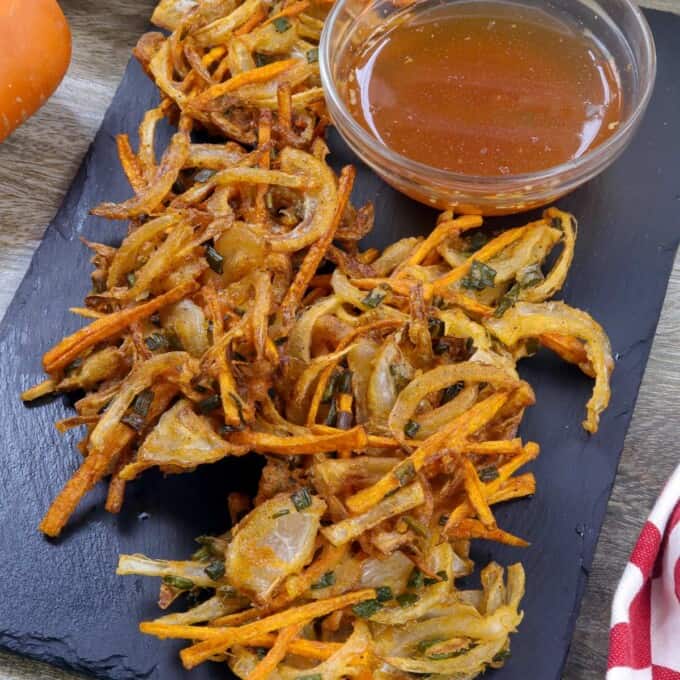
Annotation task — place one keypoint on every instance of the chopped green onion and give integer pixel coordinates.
(281, 24)
(178, 582)
(327, 580)
(312, 55)
(399, 375)
(416, 579)
(142, 402)
(507, 301)
(384, 594)
(418, 527)
(367, 608)
(405, 473)
(215, 570)
(261, 59)
(501, 656)
(406, 600)
(443, 576)
(436, 327)
(532, 345)
(411, 429)
(203, 553)
(301, 499)
(215, 260)
(481, 276)
(530, 276)
(210, 404)
(344, 383)
(74, 365)
(424, 645)
(156, 341)
(261, 652)
(488, 474)
(281, 513)
(443, 519)
(332, 413)
(313, 676)
(130, 278)
(451, 392)
(374, 298)
(441, 656)
(556, 223)
(330, 388)
(478, 240)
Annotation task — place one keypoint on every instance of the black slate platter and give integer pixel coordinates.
(61, 601)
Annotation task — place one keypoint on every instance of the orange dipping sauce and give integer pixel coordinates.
(484, 88)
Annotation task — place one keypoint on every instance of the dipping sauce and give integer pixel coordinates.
(483, 88)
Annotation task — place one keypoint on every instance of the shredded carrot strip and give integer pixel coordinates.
(276, 653)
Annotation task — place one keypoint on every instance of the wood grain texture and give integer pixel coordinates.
(37, 164)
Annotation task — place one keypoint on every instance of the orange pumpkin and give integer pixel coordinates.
(35, 51)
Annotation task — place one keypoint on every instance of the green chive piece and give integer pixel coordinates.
(330, 388)
(406, 600)
(301, 499)
(178, 582)
(215, 570)
(215, 260)
(134, 420)
(281, 24)
(374, 298)
(203, 553)
(507, 301)
(443, 519)
(156, 341)
(398, 373)
(367, 608)
(424, 645)
(556, 223)
(202, 176)
(478, 240)
(313, 676)
(130, 278)
(501, 656)
(281, 513)
(411, 429)
(441, 656)
(210, 403)
(261, 652)
(260, 59)
(416, 579)
(443, 576)
(488, 474)
(405, 473)
(327, 580)
(142, 402)
(532, 345)
(452, 391)
(384, 594)
(332, 413)
(73, 366)
(344, 383)
(481, 276)
(312, 55)
(418, 527)
(436, 327)
(530, 276)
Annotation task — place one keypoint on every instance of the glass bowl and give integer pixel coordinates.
(617, 25)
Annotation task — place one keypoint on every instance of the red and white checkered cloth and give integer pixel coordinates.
(644, 640)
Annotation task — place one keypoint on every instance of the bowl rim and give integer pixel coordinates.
(591, 158)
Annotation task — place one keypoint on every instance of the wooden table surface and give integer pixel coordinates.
(37, 165)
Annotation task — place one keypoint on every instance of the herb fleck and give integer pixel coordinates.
(301, 499)
(481, 276)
